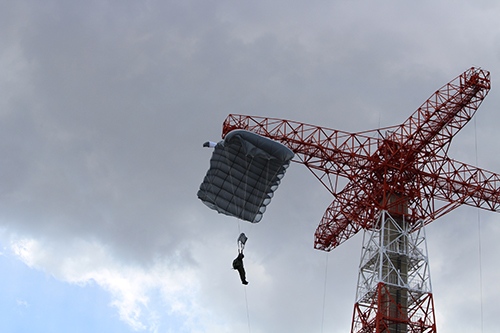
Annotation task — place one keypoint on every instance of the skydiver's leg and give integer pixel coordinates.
(241, 270)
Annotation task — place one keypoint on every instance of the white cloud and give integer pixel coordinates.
(130, 286)
(22, 303)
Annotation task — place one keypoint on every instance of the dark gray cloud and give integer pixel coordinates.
(104, 107)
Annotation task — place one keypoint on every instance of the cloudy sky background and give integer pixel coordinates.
(104, 106)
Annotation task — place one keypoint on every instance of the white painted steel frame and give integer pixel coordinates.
(411, 243)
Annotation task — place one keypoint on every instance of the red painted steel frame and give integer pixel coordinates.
(403, 170)
(383, 314)
(392, 167)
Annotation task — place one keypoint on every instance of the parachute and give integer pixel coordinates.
(245, 171)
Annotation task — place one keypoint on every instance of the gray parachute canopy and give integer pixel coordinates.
(245, 170)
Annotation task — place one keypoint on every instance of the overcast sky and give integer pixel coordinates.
(104, 106)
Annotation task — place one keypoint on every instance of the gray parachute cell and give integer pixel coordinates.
(245, 170)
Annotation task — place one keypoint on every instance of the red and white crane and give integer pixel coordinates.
(398, 180)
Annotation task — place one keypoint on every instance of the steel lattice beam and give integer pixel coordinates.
(401, 171)
(406, 162)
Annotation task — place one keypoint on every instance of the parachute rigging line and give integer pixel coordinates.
(242, 238)
(226, 151)
(245, 191)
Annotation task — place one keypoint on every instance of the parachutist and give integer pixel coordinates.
(238, 265)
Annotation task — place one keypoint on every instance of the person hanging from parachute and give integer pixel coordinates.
(245, 171)
(238, 262)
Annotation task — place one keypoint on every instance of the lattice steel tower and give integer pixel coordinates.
(399, 179)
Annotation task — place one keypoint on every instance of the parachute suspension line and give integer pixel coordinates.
(324, 293)
(246, 182)
(249, 232)
(243, 208)
(233, 187)
(479, 239)
(231, 181)
(245, 190)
